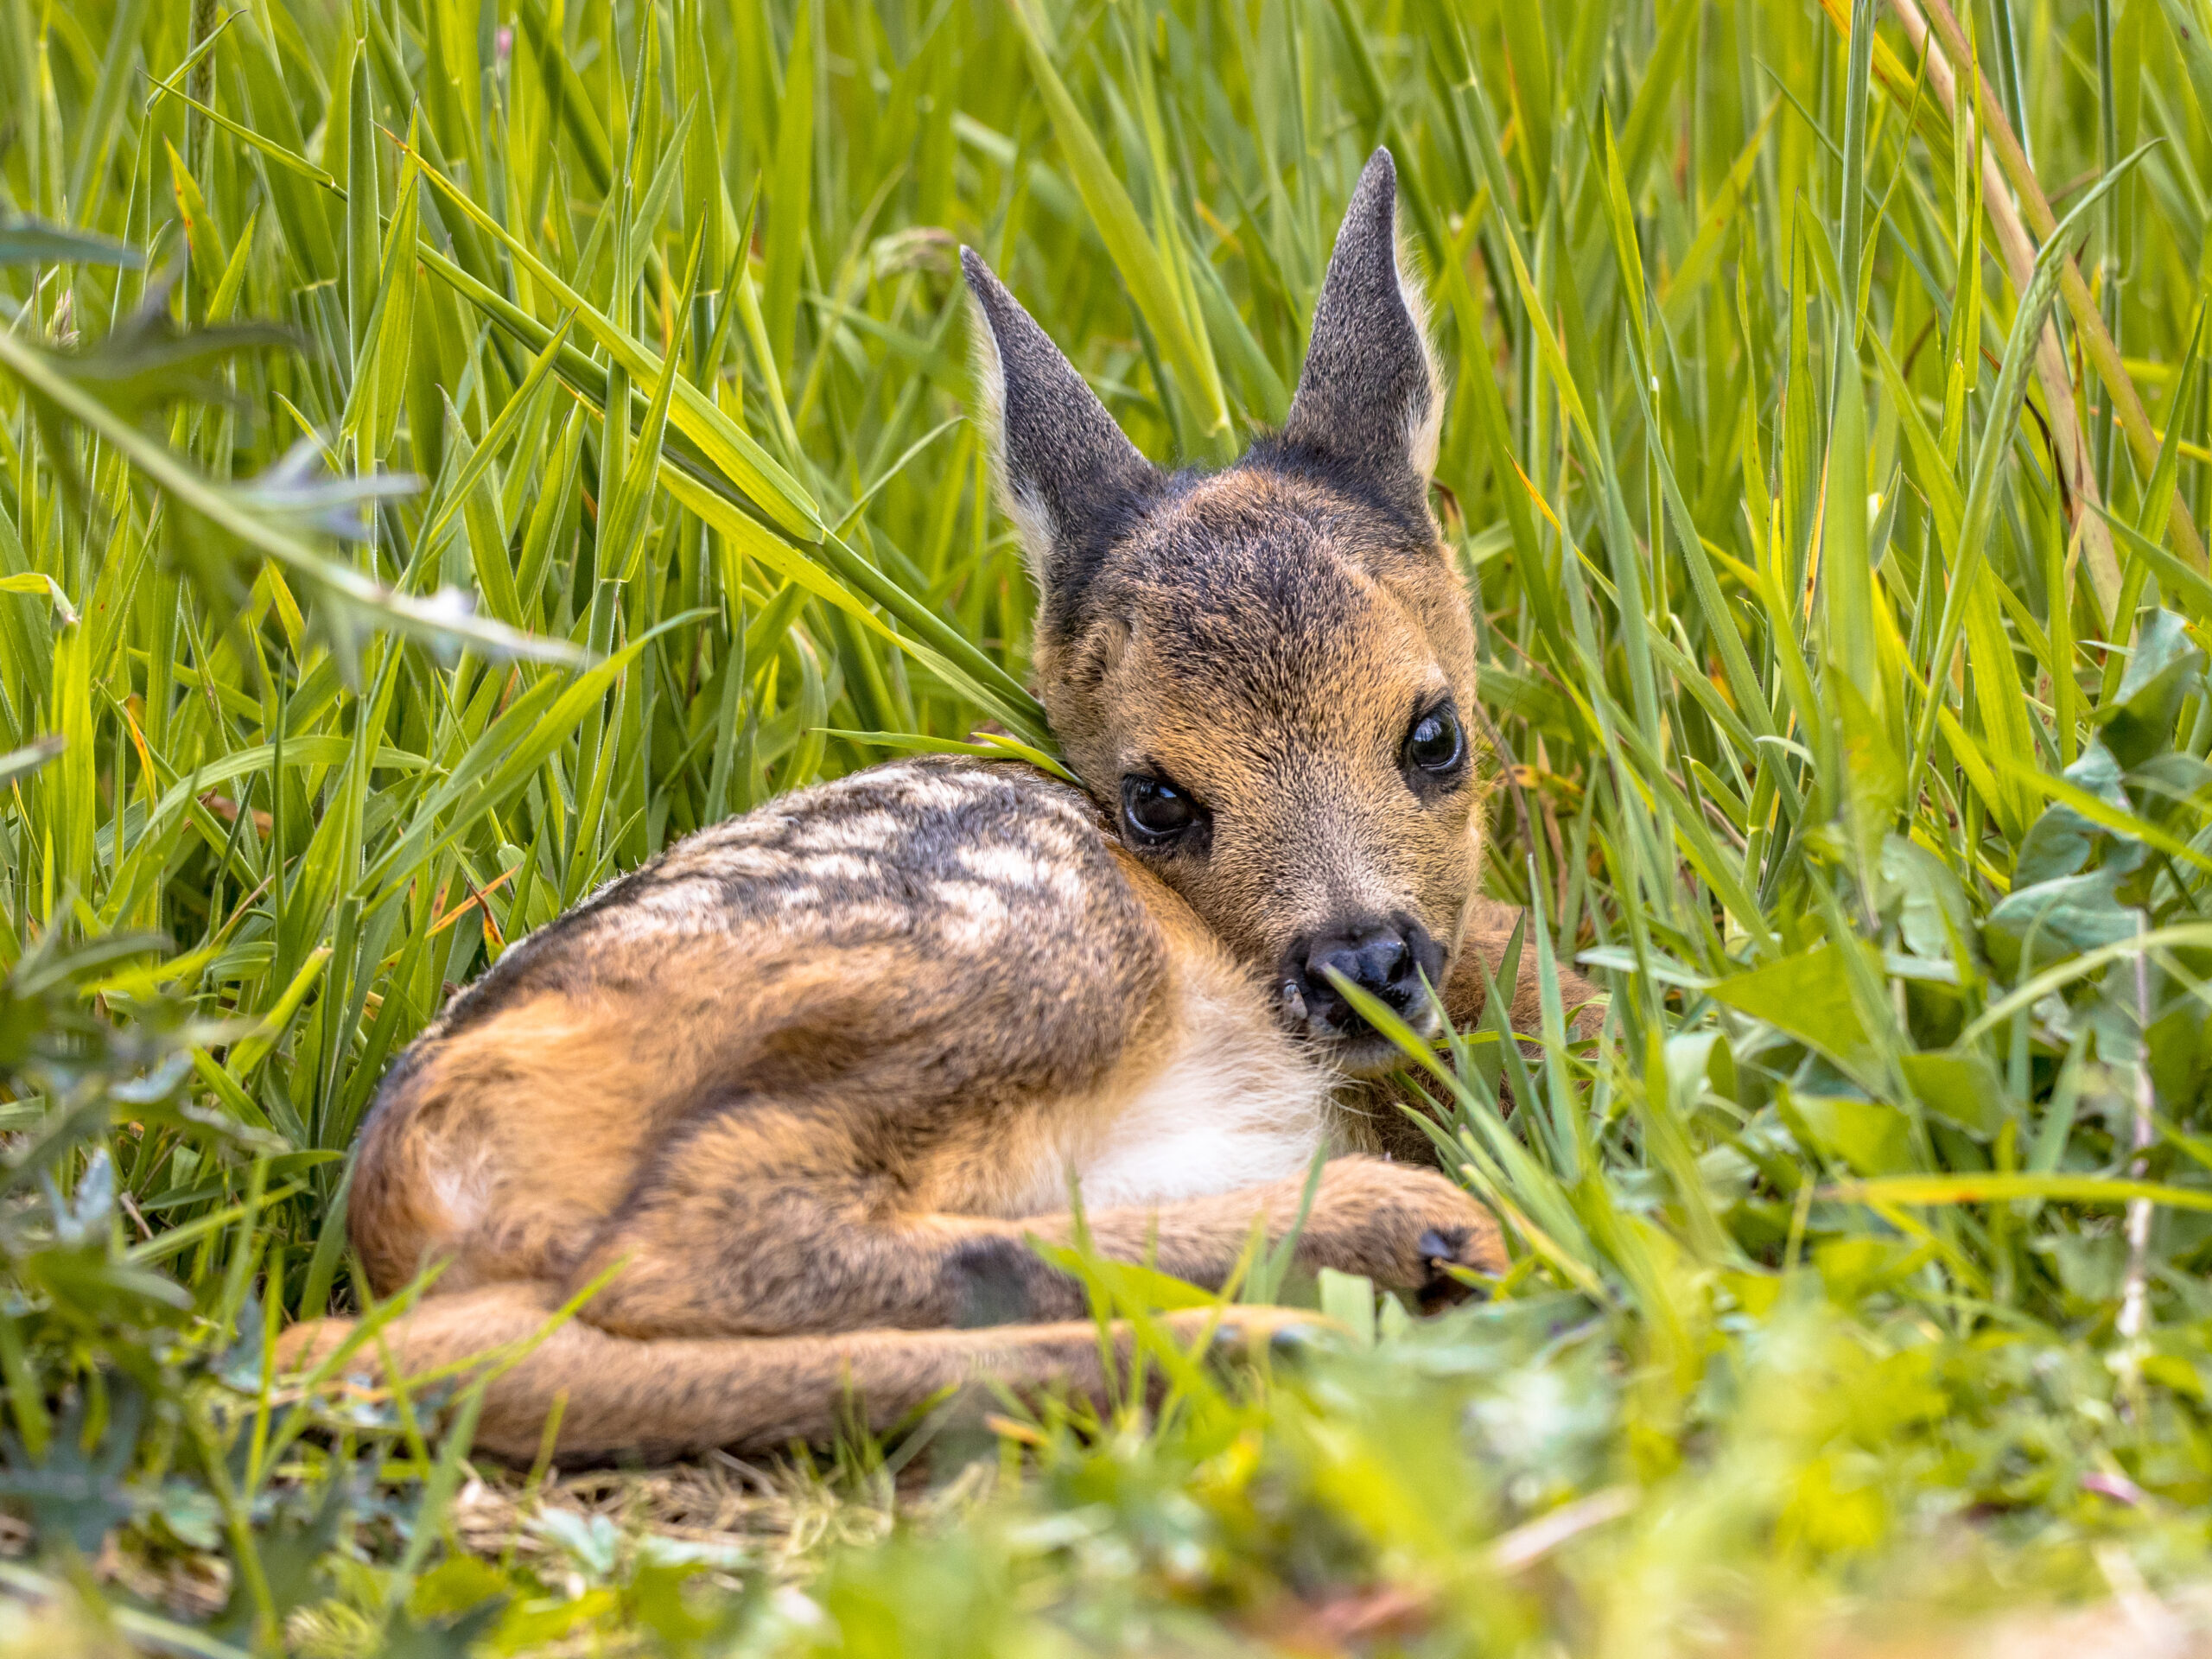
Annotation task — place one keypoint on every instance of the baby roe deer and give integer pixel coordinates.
(812, 1080)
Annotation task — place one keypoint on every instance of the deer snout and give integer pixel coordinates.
(1385, 956)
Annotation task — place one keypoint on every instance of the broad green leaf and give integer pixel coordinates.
(1809, 996)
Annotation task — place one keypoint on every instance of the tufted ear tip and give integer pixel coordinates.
(1372, 213)
(1368, 395)
(997, 306)
(973, 267)
(1065, 468)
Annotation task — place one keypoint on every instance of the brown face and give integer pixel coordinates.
(1263, 676)
(1269, 695)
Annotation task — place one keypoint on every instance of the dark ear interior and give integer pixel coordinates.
(1070, 479)
(1368, 399)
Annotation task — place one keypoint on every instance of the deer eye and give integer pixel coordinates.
(1156, 811)
(1435, 744)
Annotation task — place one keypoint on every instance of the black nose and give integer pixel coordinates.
(1385, 956)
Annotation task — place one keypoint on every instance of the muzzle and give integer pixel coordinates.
(1389, 957)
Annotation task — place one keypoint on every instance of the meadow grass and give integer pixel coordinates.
(449, 451)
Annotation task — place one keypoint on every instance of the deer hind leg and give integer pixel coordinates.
(670, 1395)
(499, 1149)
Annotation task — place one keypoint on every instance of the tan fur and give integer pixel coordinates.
(1312, 817)
(665, 1397)
(796, 1100)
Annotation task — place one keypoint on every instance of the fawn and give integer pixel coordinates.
(811, 1081)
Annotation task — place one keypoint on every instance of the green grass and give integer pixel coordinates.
(448, 451)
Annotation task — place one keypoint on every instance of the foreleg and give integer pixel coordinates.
(734, 1238)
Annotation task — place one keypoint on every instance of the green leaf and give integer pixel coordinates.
(2006, 1188)
(2164, 668)
(34, 242)
(1129, 246)
(1809, 996)
(2032, 925)
(1962, 1087)
(1873, 1138)
(791, 192)
(46, 587)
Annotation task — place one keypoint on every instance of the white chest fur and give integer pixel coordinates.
(1235, 1104)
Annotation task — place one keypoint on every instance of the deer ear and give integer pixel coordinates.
(1068, 478)
(1368, 398)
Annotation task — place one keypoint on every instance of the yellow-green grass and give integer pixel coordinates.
(1846, 638)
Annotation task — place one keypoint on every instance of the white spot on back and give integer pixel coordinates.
(974, 915)
(1014, 866)
(839, 866)
(1028, 868)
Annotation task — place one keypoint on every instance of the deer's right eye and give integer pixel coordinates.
(1156, 813)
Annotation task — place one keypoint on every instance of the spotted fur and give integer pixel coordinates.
(800, 1094)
